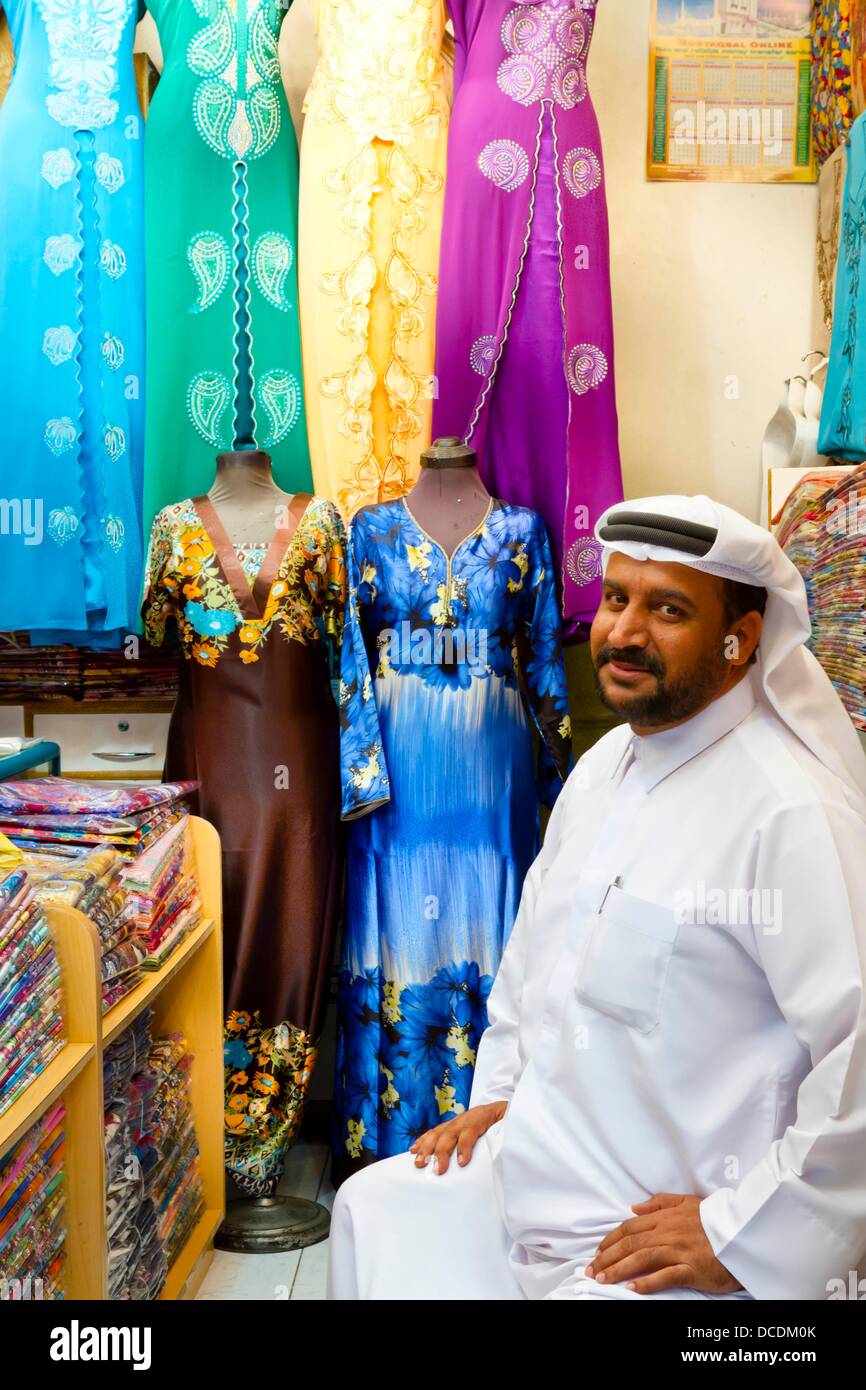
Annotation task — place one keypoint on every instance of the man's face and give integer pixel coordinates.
(658, 642)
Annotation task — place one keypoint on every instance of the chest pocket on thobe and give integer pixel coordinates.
(624, 965)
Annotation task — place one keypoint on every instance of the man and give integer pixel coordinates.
(670, 1100)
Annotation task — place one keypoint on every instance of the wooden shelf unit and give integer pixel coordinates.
(186, 997)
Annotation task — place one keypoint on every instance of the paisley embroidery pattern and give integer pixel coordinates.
(583, 560)
(382, 77)
(62, 524)
(209, 394)
(208, 255)
(547, 43)
(587, 368)
(236, 126)
(273, 258)
(59, 344)
(505, 163)
(61, 253)
(58, 167)
(280, 395)
(60, 435)
(483, 354)
(83, 39)
(581, 170)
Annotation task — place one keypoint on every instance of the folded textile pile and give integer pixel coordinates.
(136, 1257)
(823, 531)
(31, 1023)
(177, 1189)
(70, 673)
(32, 1213)
(162, 895)
(56, 811)
(80, 839)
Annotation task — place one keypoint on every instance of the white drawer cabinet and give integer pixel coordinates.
(114, 745)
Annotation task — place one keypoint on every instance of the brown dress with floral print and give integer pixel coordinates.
(257, 727)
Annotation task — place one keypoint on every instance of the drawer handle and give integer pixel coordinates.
(124, 757)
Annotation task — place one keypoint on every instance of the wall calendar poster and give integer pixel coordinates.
(730, 91)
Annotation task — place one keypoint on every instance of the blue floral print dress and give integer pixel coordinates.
(449, 666)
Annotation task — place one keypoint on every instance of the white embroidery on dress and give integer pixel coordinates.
(61, 252)
(208, 254)
(114, 440)
(482, 354)
(581, 170)
(505, 163)
(83, 39)
(62, 524)
(109, 172)
(583, 560)
(112, 259)
(58, 167)
(273, 258)
(548, 43)
(114, 531)
(113, 352)
(209, 394)
(587, 368)
(58, 344)
(280, 394)
(60, 435)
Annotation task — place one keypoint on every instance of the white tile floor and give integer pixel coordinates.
(301, 1274)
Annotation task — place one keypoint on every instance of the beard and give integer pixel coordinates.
(672, 701)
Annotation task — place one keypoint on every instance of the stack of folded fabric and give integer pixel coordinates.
(136, 1257)
(31, 1023)
(177, 1190)
(162, 895)
(823, 531)
(69, 673)
(32, 1214)
(40, 811)
(38, 673)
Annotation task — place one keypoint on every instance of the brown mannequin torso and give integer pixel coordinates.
(248, 501)
(449, 501)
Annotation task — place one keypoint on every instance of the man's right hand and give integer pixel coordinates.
(461, 1134)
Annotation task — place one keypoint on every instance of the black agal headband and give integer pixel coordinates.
(649, 528)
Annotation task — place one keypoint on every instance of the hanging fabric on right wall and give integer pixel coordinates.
(524, 359)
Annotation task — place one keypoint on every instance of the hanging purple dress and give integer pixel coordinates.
(524, 355)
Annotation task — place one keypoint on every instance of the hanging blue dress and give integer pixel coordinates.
(72, 309)
(842, 433)
(448, 666)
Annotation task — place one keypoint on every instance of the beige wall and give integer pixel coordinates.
(712, 283)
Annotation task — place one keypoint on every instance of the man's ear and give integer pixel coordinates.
(742, 639)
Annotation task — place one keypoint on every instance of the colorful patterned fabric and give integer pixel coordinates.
(61, 796)
(32, 1211)
(442, 831)
(267, 1077)
(832, 107)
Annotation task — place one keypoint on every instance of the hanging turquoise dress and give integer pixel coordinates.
(843, 413)
(72, 314)
(224, 347)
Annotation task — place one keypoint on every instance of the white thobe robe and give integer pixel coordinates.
(680, 1009)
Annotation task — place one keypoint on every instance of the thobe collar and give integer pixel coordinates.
(658, 755)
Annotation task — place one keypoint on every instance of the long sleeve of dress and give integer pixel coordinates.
(362, 757)
(539, 652)
(499, 1062)
(797, 1220)
(157, 606)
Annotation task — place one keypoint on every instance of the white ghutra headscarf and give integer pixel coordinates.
(710, 537)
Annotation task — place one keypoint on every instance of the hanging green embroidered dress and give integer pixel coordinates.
(221, 165)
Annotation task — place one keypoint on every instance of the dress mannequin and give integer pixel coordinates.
(249, 502)
(449, 501)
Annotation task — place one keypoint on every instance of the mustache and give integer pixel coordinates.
(631, 656)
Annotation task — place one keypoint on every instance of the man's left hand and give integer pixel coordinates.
(663, 1247)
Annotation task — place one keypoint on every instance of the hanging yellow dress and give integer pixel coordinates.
(372, 186)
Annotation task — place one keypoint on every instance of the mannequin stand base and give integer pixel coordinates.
(270, 1225)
